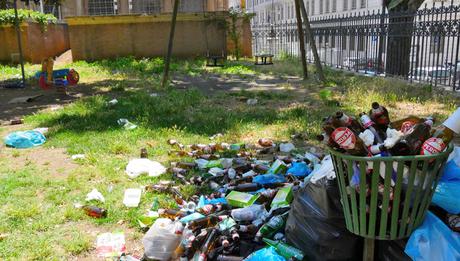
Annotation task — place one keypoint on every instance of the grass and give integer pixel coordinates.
(36, 202)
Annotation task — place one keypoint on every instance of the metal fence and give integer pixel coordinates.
(421, 46)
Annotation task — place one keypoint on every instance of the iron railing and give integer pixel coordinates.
(421, 46)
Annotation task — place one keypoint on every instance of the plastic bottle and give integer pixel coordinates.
(285, 250)
(229, 258)
(248, 213)
(206, 222)
(161, 240)
(271, 227)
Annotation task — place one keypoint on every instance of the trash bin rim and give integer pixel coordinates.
(445, 153)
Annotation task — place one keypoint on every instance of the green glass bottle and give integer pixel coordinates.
(285, 250)
(271, 227)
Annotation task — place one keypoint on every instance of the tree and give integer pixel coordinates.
(400, 27)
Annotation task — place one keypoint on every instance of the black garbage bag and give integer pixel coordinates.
(391, 250)
(316, 224)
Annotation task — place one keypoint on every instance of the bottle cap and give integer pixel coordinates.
(453, 122)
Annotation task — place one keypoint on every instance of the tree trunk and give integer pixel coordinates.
(400, 27)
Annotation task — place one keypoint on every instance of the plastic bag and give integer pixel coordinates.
(299, 169)
(25, 139)
(316, 224)
(326, 169)
(391, 250)
(265, 254)
(161, 241)
(433, 240)
(452, 169)
(269, 179)
(110, 245)
(137, 167)
(447, 195)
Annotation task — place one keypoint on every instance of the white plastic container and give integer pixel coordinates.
(161, 240)
(132, 198)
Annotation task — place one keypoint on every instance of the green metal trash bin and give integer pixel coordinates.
(386, 198)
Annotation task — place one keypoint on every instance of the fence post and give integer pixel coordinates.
(18, 33)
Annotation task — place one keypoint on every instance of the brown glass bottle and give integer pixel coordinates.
(341, 119)
(209, 244)
(349, 141)
(205, 222)
(95, 212)
(412, 142)
(171, 213)
(406, 124)
(144, 153)
(442, 135)
(379, 134)
(379, 115)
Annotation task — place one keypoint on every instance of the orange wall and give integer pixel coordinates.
(93, 38)
(36, 43)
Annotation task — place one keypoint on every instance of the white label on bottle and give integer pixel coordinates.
(433, 146)
(344, 137)
(367, 122)
(406, 127)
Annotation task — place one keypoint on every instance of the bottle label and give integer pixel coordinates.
(367, 122)
(433, 146)
(344, 137)
(406, 127)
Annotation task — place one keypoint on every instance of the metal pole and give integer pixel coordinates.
(18, 33)
(170, 44)
(301, 39)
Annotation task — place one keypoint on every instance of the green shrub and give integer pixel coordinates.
(7, 17)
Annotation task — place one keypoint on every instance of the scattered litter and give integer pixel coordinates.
(215, 136)
(154, 94)
(161, 240)
(110, 245)
(252, 101)
(286, 147)
(3, 236)
(95, 195)
(137, 167)
(24, 99)
(78, 156)
(112, 102)
(126, 124)
(16, 121)
(132, 198)
(42, 130)
(25, 139)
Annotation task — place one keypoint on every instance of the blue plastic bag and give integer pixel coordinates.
(299, 169)
(433, 240)
(269, 179)
(447, 195)
(265, 254)
(452, 168)
(25, 139)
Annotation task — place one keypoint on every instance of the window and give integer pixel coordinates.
(102, 7)
(190, 6)
(327, 6)
(352, 42)
(436, 44)
(145, 6)
(361, 44)
(312, 7)
(353, 4)
(363, 3)
(321, 2)
(345, 5)
(334, 5)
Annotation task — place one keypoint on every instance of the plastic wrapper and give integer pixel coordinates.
(447, 195)
(433, 240)
(316, 224)
(265, 254)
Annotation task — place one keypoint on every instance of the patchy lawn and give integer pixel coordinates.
(38, 187)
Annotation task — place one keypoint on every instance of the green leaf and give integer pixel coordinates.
(394, 3)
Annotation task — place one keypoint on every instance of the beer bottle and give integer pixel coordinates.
(259, 168)
(171, 213)
(235, 235)
(224, 241)
(442, 135)
(209, 244)
(412, 142)
(144, 153)
(246, 187)
(95, 212)
(347, 121)
(349, 141)
(369, 124)
(264, 142)
(380, 116)
(186, 165)
(247, 230)
(404, 125)
(205, 222)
